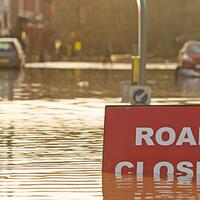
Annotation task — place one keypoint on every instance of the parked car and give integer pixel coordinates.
(189, 55)
(11, 53)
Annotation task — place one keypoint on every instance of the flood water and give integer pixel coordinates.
(51, 139)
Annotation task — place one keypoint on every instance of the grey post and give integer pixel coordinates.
(142, 34)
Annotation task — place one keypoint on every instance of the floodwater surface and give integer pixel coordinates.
(51, 139)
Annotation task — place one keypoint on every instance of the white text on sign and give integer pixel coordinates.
(145, 135)
(184, 168)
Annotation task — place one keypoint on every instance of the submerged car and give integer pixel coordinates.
(11, 53)
(189, 55)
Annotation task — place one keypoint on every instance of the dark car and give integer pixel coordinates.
(11, 53)
(189, 55)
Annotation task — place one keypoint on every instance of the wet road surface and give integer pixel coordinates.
(51, 150)
(52, 135)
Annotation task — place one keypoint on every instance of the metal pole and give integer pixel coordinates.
(78, 19)
(142, 32)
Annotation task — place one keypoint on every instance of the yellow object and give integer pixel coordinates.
(136, 69)
(58, 44)
(23, 35)
(78, 46)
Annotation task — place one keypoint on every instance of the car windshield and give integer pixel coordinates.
(195, 48)
(6, 46)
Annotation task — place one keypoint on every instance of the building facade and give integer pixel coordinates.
(31, 24)
(5, 17)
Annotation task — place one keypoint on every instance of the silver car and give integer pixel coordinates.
(11, 53)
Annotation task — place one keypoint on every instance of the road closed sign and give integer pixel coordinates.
(152, 140)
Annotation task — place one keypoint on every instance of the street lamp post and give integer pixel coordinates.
(78, 19)
(140, 94)
(142, 34)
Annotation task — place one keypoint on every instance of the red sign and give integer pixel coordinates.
(152, 139)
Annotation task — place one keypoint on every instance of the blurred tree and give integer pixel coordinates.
(113, 23)
(49, 1)
(97, 24)
(171, 23)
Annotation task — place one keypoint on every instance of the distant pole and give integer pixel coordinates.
(78, 19)
(142, 34)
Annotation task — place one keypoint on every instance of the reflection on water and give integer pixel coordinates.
(190, 87)
(8, 80)
(73, 83)
(129, 188)
(62, 84)
(51, 149)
